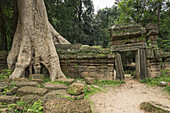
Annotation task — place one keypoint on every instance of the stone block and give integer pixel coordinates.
(56, 95)
(9, 99)
(67, 106)
(31, 90)
(53, 86)
(30, 98)
(36, 76)
(76, 88)
(22, 84)
(90, 80)
(65, 80)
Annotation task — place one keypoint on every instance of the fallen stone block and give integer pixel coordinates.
(57, 94)
(30, 98)
(53, 86)
(22, 84)
(65, 80)
(67, 106)
(31, 90)
(76, 88)
(90, 80)
(9, 99)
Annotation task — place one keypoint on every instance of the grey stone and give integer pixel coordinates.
(76, 88)
(66, 106)
(30, 98)
(56, 95)
(9, 99)
(21, 79)
(22, 84)
(52, 86)
(31, 90)
(90, 80)
(88, 88)
(65, 80)
(36, 76)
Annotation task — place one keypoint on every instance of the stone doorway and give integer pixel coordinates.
(140, 59)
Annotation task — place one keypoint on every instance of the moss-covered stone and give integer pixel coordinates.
(76, 88)
(31, 90)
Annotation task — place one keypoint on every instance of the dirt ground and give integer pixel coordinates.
(127, 98)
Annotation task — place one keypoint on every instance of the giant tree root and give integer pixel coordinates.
(33, 43)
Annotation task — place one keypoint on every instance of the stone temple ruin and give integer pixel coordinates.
(79, 61)
(91, 63)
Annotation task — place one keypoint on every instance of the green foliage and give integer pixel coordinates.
(5, 74)
(20, 107)
(60, 82)
(109, 83)
(93, 91)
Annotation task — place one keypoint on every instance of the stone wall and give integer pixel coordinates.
(157, 61)
(80, 61)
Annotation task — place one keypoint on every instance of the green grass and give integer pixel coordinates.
(5, 74)
(36, 107)
(109, 83)
(156, 81)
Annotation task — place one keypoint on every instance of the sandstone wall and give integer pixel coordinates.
(157, 61)
(80, 61)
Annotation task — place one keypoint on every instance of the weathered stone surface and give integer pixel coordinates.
(78, 97)
(8, 99)
(66, 106)
(31, 90)
(22, 79)
(89, 88)
(22, 84)
(30, 98)
(52, 86)
(90, 80)
(65, 80)
(57, 94)
(36, 76)
(76, 88)
(154, 107)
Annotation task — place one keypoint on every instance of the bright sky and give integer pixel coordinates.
(100, 4)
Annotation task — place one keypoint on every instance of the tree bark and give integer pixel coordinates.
(33, 43)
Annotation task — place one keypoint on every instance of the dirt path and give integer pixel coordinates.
(127, 98)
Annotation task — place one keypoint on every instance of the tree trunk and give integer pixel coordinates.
(33, 41)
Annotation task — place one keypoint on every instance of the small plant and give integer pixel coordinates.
(21, 106)
(5, 74)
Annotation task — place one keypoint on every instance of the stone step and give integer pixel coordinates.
(27, 90)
